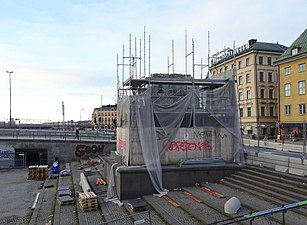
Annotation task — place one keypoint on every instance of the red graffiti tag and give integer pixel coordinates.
(121, 144)
(189, 146)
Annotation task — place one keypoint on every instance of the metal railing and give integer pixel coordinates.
(49, 134)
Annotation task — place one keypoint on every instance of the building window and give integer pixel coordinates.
(261, 76)
(249, 111)
(271, 111)
(269, 60)
(260, 60)
(270, 77)
(301, 67)
(239, 65)
(248, 78)
(226, 68)
(302, 87)
(271, 93)
(240, 95)
(287, 90)
(262, 93)
(241, 112)
(248, 94)
(262, 110)
(287, 110)
(221, 70)
(302, 108)
(287, 70)
(240, 80)
(247, 62)
(294, 51)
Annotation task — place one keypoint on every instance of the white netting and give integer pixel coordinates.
(200, 112)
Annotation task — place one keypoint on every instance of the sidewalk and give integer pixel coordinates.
(296, 146)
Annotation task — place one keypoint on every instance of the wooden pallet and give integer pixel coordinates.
(38, 172)
(88, 201)
(87, 209)
(65, 200)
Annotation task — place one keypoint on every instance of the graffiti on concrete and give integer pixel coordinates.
(7, 154)
(188, 146)
(121, 144)
(208, 134)
(82, 150)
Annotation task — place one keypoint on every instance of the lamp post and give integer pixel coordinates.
(80, 115)
(10, 72)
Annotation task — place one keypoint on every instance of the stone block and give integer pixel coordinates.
(298, 172)
(283, 169)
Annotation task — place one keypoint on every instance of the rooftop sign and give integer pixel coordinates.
(227, 52)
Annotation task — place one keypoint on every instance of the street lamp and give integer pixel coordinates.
(80, 115)
(10, 72)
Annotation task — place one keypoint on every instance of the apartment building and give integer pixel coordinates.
(292, 89)
(104, 117)
(252, 66)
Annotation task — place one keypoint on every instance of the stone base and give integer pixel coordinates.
(133, 181)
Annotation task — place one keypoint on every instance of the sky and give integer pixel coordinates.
(66, 50)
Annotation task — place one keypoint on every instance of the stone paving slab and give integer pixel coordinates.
(17, 196)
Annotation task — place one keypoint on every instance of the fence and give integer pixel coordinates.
(37, 134)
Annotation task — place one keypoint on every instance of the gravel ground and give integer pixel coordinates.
(17, 196)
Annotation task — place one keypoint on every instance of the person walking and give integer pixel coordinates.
(77, 134)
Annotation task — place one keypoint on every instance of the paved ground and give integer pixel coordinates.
(17, 196)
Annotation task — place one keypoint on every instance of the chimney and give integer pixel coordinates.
(252, 41)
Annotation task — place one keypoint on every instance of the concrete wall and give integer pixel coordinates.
(64, 150)
(188, 143)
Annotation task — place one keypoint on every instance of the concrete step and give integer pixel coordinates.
(297, 196)
(284, 185)
(275, 178)
(279, 174)
(264, 194)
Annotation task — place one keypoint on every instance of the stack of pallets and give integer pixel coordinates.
(88, 201)
(38, 172)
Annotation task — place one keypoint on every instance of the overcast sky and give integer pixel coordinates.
(65, 50)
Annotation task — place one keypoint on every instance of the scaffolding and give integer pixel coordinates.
(165, 118)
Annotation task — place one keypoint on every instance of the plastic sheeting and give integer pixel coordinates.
(198, 108)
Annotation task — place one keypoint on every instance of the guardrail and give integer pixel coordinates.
(37, 134)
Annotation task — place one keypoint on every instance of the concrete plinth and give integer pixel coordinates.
(133, 181)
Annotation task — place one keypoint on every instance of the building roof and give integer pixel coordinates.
(300, 43)
(270, 47)
(105, 107)
(253, 45)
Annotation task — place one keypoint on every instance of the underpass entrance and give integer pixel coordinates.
(30, 157)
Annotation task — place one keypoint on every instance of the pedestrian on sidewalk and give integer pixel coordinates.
(77, 134)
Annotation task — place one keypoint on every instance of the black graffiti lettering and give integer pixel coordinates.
(100, 148)
(94, 149)
(209, 134)
(88, 149)
(81, 150)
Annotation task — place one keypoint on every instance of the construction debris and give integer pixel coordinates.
(84, 184)
(35, 201)
(136, 205)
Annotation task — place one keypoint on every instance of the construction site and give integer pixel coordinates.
(179, 159)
